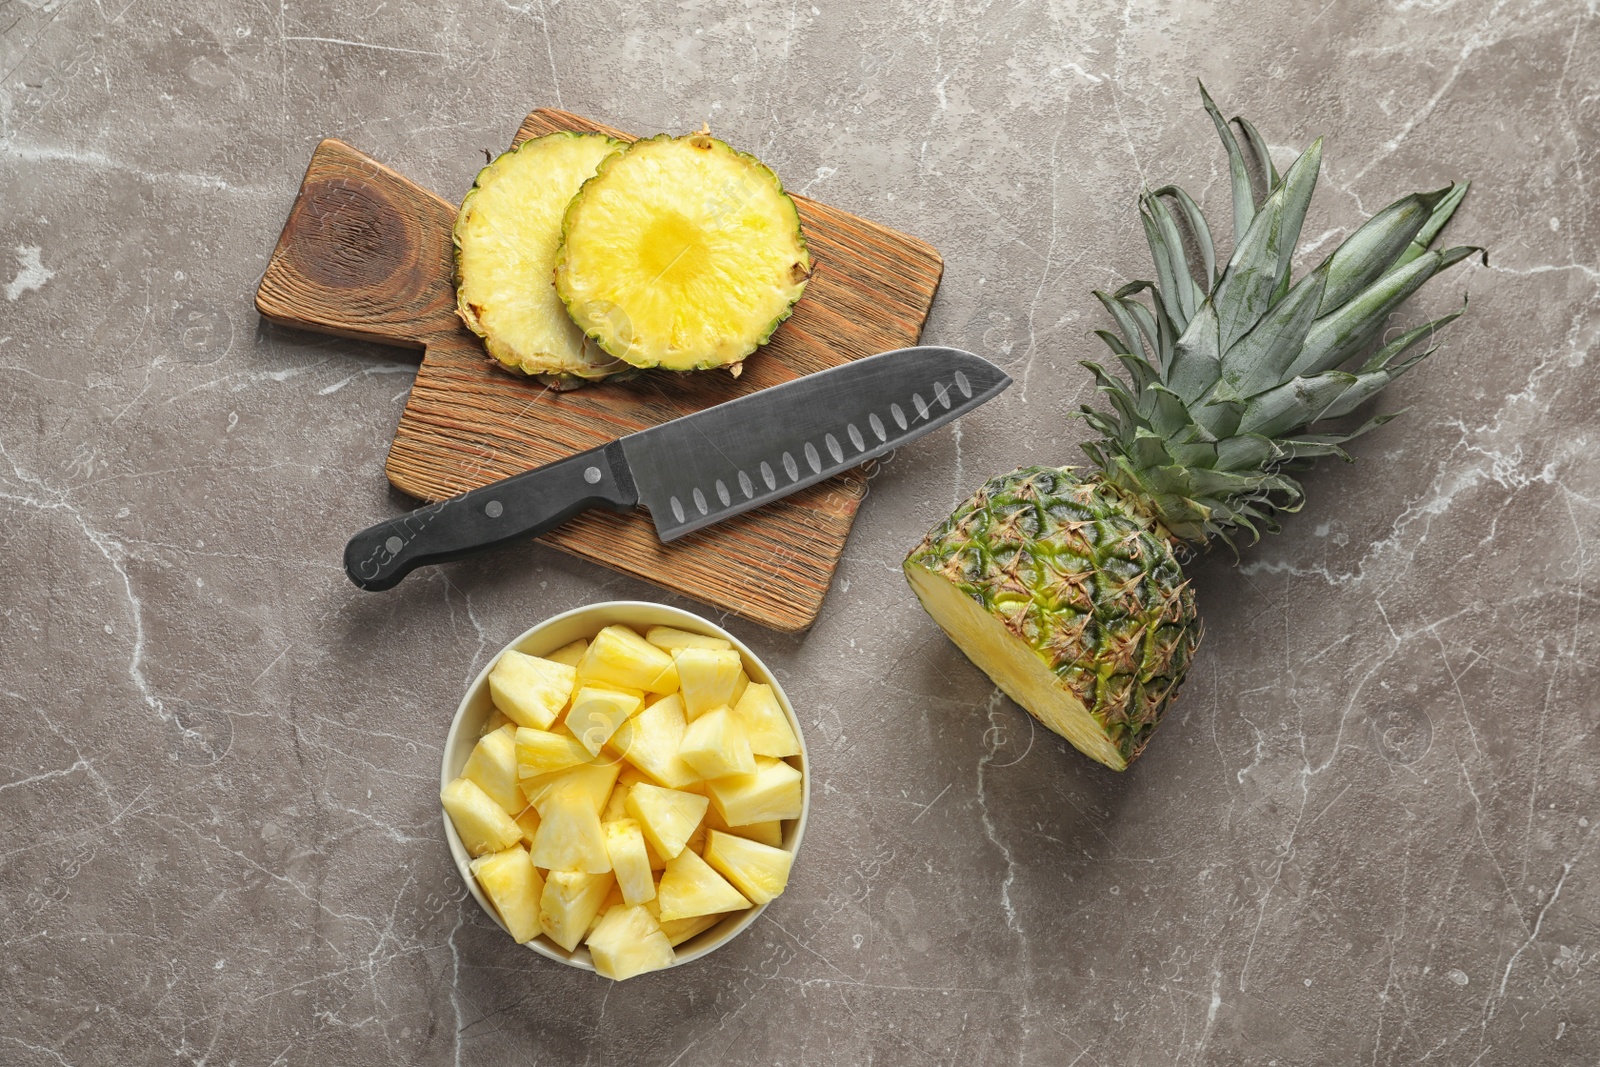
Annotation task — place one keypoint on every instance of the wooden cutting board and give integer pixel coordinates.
(367, 254)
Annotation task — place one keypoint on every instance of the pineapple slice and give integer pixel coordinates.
(595, 779)
(569, 836)
(544, 752)
(765, 723)
(570, 654)
(496, 719)
(512, 884)
(669, 639)
(628, 941)
(680, 930)
(528, 819)
(650, 740)
(706, 677)
(619, 657)
(569, 904)
(774, 791)
(531, 691)
(630, 860)
(493, 767)
(769, 832)
(668, 817)
(681, 253)
(758, 871)
(507, 236)
(715, 744)
(597, 711)
(689, 887)
(482, 824)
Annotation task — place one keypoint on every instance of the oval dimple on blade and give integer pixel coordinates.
(920, 404)
(813, 459)
(677, 509)
(855, 437)
(899, 416)
(745, 487)
(767, 476)
(833, 448)
(877, 427)
(791, 468)
(722, 493)
(964, 385)
(700, 501)
(941, 394)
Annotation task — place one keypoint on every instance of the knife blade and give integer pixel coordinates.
(701, 468)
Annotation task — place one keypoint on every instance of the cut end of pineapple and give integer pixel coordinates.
(1012, 665)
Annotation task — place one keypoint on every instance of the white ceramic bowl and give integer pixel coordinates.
(561, 630)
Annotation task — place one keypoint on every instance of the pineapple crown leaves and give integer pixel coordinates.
(1231, 367)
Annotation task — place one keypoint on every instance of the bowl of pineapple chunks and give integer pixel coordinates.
(625, 788)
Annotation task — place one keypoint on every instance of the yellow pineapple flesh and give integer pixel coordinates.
(570, 837)
(493, 767)
(627, 942)
(649, 741)
(774, 791)
(597, 711)
(706, 677)
(668, 817)
(531, 691)
(630, 860)
(689, 887)
(758, 871)
(569, 904)
(765, 723)
(514, 887)
(715, 744)
(482, 824)
(619, 657)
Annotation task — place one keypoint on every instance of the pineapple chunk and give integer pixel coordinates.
(596, 713)
(689, 887)
(617, 805)
(531, 691)
(669, 639)
(740, 684)
(680, 930)
(512, 884)
(617, 656)
(769, 832)
(758, 871)
(629, 941)
(569, 836)
(543, 752)
(650, 742)
(569, 904)
(569, 654)
(496, 719)
(774, 791)
(706, 677)
(765, 723)
(613, 900)
(482, 825)
(630, 860)
(715, 744)
(493, 767)
(528, 819)
(595, 778)
(667, 817)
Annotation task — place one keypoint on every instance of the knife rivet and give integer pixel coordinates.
(592, 475)
(494, 509)
(394, 545)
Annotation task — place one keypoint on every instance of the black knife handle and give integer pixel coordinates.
(525, 505)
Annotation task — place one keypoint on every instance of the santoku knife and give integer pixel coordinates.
(701, 468)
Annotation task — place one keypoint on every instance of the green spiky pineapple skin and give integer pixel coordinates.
(1093, 588)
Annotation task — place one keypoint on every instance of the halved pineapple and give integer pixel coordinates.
(507, 236)
(670, 639)
(706, 678)
(681, 253)
(758, 871)
(482, 824)
(531, 691)
(668, 817)
(544, 752)
(493, 766)
(619, 657)
(514, 886)
(629, 941)
(597, 711)
(650, 742)
(715, 744)
(765, 722)
(690, 887)
(570, 837)
(774, 791)
(630, 860)
(569, 904)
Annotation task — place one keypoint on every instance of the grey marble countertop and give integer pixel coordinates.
(1366, 835)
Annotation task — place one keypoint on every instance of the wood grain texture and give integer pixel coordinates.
(367, 254)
